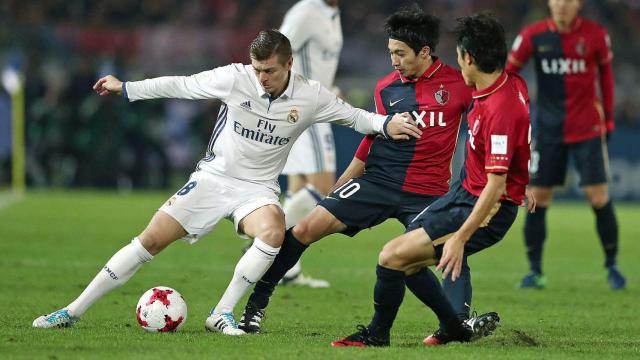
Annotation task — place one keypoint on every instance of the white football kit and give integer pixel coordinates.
(250, 140)
(314, 29)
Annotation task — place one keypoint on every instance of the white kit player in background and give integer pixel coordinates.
(265, 108)
(313, 27)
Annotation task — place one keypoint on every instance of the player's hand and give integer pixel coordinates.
(451, 260)
(402, 127)
(108, 85)
(530, 201)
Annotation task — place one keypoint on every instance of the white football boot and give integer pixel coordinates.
(224, 323)
(60, 318)
(302, 280)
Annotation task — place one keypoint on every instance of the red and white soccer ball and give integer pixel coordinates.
(161, 309)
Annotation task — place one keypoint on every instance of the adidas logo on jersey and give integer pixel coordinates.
(246, 105)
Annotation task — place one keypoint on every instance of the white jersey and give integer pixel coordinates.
(253, 134)
(314, 29)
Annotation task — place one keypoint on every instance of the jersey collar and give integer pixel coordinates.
(500, 81)
(285, 95)
(431, 70)
(575, 24)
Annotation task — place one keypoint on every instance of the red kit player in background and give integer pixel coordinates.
(570, 55)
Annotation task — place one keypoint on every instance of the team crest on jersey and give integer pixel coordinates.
(581, 47)
(293, 116)
(442, 96)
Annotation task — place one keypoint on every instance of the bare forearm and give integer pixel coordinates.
(355, 169)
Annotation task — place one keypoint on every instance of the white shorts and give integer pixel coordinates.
(313, 152)
(207, 198)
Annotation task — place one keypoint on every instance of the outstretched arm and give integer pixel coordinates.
(211, 84)
(108, 85)
(330, 108)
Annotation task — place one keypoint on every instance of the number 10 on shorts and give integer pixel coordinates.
(347, 189)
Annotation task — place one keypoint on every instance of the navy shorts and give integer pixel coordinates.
(446, 215)
(361, 204)
(549, 162)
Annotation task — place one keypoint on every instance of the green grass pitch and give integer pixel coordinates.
(53, 243)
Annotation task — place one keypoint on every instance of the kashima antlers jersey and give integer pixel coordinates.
(499, 137)
(567, 64)
(437, 100)
(254, 133)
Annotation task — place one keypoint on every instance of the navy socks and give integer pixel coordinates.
(288, 256)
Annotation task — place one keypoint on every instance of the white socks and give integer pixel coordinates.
(293, 272)
(250, 268)
(296, 207)
(115, 273)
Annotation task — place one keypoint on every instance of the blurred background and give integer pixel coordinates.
(74, 138)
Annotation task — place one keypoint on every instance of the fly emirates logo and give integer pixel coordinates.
(262, 133)
(563, 66)
(433, 118)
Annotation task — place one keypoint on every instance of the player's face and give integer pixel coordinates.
(272, 74)
(406, 61)
(564, 11)
(464, 61)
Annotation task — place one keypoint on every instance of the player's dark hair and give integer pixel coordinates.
(268, 43)
(482, 37)
(414, 27)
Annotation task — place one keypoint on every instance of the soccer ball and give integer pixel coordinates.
(161, 309)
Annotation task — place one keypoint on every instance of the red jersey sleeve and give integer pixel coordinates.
(363, 149)
(604, 55)
(365, 145)
(499, 144)
(504, 135)
(520, 51)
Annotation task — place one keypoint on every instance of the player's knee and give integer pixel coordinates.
(153, 242)
(272, 235)
(543, 195)
(390, 258)
(303, 232)
(599, 202)
(598, 198)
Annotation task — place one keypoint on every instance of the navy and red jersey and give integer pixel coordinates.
(436, 101)
(567, 65)
(499, 137)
